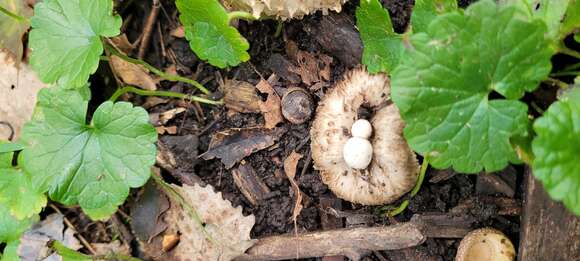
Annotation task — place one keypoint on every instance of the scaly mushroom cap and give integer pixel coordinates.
(394, 168)
(284, 9)
(485, 244)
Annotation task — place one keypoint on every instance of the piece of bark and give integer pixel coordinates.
(505, 206)
(548, 230)
(337, 35)
(241, 96)
(442, 225)
(353, 243)
(251, 186)
(439, 175)
(329, 221)
(233, 145)
(501, 182)
(283, 68)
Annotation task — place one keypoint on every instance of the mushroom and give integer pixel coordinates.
(485, 244)
(393, 169)
(284, 9)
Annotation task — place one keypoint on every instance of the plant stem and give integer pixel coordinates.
(166, 76)
(240, 15)
(279, 28)
(567, 51)
(178, 95)
(398, 210)
(569, 73)
(556, 82)
(17, 17)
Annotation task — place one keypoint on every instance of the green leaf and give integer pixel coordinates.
(10, 227)
(10, 147)
(444, 83)
(382, 46)
(10, 251)
(93, 164)
(68, 254)
(210, 36)
(11, 29)
(66, 39)
(557, 147)
(426, 11)
(571, 19)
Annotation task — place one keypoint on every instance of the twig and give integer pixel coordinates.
(151, 68)
(67, 222)
(178, 95)
(148, 28)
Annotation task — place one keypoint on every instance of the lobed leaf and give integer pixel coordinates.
(426, 11)
(209, 34)
(10, 230)
(382, 46)
(556, 149)
(66, 39)
(447, 83)
(93, 164)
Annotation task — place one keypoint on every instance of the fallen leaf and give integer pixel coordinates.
(271, 108)
(290, 164)
(153, 101)
(166, 116)
(122, 43)
(241, 96)
(169, 242)
(18, 88)
(224, 235)
(33, 243)
(12, 30)
(233, 145)
(162, 130)
(147, 211)
(133, 74)
(307, 67)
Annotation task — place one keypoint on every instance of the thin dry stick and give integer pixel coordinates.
(67, 222)
(148, 29)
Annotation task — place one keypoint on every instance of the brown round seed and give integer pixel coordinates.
(297, 105)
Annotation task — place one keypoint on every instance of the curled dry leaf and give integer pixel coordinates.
(271, 108)
(18, 88)
(233, 145)
(290, 164)
(133, 74)
(122, 43)
(284, 9)
(226, 231)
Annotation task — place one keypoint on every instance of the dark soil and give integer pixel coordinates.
(274, 214)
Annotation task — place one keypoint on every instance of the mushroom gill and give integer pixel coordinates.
(393, 170)
(284, 9)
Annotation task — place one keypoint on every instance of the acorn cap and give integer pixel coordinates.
(393, 170)
(284, 9)
(485, 244)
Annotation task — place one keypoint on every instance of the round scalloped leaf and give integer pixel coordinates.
(66, 38)
(93, 164)
(10, 227)
(425, 11)
(209, 34)
(444, 83)
(556, 149)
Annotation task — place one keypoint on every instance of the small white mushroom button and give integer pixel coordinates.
(357, 153)
(362, 129)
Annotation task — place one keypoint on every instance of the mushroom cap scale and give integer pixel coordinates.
(284, 9)
(393, 170)
(485, 244)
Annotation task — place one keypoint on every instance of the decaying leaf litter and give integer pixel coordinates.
(250, 131)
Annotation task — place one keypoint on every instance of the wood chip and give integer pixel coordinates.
(232, 145)
(251, 186)
(241, 96)
(166, 116)
(133, 74)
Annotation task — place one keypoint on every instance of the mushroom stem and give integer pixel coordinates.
(398, 210)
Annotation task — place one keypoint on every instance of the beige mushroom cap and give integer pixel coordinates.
(284, 9)
(485, 244)
(393, 170)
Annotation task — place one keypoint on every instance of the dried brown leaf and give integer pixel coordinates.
(233, 145)
(146, 213)
(290, 165)
(34, 242)
(133, 74)
(226, 231)
(122, 43)
(178, 32)
(271, 108)
(113, 247)
(171, 130)
(166, 116)
(18, 88)
(241, 96)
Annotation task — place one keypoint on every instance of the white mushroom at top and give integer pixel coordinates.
(485, 244)
(339, 148)
(284, 9)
